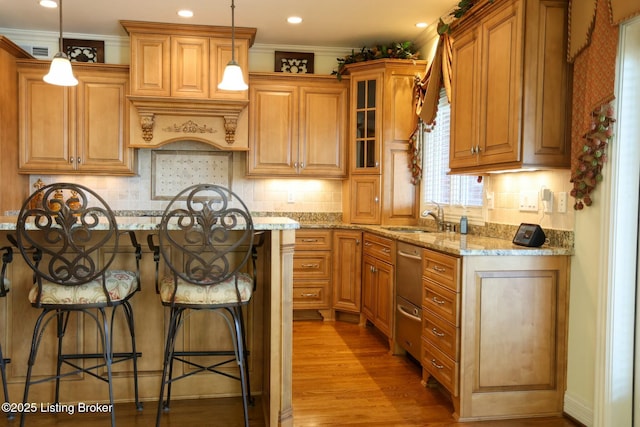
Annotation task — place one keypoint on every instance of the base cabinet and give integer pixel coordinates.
(378, 274)
(347, 270)
(513, 349)
(312, 261)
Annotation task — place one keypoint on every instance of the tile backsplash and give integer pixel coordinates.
(322, 196)
(260, 195)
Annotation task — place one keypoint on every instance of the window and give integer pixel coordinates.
(460, 193)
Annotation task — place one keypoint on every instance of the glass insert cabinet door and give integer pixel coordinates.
(367, 120)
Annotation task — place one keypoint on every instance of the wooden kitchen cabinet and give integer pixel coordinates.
(185, 61)
(378, 282)
(441, 319)
(381, 119)
(297, 126)
(312, 270)
(511, 88)
(82, 129)
(15, 187)
(514, 344)
(347, 270)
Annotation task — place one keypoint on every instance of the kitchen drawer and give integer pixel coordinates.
(311, 265)
(311, 295)
(442, 268)
(441, 334)
(440, 300)
(379, 247)
(440, 366)
(309, 239)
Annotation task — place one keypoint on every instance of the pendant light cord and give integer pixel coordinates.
(60, 16)
(233, 31)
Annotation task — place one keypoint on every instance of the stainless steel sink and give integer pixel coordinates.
(401, 229)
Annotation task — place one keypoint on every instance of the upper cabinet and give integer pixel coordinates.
(510, 87)
(81, 129)
(381, 120)
(297, 126)
(175, 71)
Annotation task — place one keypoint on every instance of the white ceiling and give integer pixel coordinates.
(332, 23)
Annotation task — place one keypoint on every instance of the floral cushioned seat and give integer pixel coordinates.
(219, 293)
(120, 285)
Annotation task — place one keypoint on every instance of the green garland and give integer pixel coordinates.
(404, 50)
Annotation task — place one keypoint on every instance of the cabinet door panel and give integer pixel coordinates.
(501, 87)
(369, 290)
(384, 302)
(45, 130)
(273, 130)
(323, 131)
(103, 125)
(347, 270)
(150, 72)
(365, 199)
(464, 119)
(220, 56)
(190, 67)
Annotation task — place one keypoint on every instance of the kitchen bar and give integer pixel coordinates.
(269, 330)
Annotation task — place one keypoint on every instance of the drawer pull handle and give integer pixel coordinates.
(439, 269)
(309, 295)
(309, 240)
(310, 265)
(386, 250)
(435, 332)
(438, 301)
(367, 244)
(435, 364)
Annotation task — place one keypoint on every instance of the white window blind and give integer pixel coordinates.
(437, 186)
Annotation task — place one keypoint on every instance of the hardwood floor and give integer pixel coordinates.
(343, 375)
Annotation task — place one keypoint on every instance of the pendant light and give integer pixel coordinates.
(60, 72)
(232, 79)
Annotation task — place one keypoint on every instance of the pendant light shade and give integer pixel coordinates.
(60, 72)
(233, 79)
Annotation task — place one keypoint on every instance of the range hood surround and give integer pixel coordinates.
(163, 120)
(175, 70)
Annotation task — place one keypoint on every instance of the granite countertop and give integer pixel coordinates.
(149, 222)
(448, 242)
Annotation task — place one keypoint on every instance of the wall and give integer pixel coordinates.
(260, 195)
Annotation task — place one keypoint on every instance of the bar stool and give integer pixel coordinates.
(70, 246)
(7, 257)
(206, 237)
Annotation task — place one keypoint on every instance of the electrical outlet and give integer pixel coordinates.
(291, 197)
(562, 202)
(546, 196)
(529, 201)
(491, 203)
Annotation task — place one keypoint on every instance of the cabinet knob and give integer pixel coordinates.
(376, 199)
(295, 165)
(302, 165)
(71, 160)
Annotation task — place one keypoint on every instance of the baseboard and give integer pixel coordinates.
(578, 410)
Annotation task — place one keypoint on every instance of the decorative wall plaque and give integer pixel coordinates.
(84, 50)
(294, 62)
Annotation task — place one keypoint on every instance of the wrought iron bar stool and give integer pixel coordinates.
(7, 257)
(206, 238)
(71, 245)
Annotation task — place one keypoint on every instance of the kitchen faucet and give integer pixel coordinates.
(438, 216)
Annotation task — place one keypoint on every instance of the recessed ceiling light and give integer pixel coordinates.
(294, 20)
(185, 13)
(422, 25)
(49, 3)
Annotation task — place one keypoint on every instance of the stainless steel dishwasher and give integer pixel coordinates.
(409, 297)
